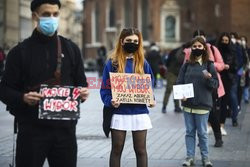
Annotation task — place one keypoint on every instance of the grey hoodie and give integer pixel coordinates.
(192, 73)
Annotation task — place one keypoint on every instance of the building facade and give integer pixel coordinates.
(16, 23)
(169, 23)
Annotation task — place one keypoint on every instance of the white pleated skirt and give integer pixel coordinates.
(131, 122)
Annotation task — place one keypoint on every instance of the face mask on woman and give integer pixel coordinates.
(130, 47)
(48, 25)
(197, 52)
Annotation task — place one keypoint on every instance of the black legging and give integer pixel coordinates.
(139, 141)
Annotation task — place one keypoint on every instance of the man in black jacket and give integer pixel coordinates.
(42, 57)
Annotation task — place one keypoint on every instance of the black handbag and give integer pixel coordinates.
(107, 116)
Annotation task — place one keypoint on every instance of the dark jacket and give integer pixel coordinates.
(33, 62)
(175, 60)
(192, 73)
(154, 59)
(230, 58)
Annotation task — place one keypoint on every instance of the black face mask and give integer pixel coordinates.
(130, 47)
(224, 46)
(197, 52)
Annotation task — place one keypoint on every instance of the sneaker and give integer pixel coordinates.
(209, 130)
(188, 162)
(223, 131)
(207, 163)
(235, 124)
(218, 143)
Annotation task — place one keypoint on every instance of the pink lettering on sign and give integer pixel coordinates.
(57, 105)
(53, 92)
(76, 93)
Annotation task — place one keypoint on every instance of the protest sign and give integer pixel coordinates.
(131, 88)
(59, 102)
(184, 90)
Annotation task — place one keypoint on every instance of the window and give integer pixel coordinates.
(170, 25)
(128, 14)
(97, 21)
(111, 14)
(26, 27)
(2, 9)
(145, 18)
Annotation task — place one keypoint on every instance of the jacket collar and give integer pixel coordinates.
(41, 37)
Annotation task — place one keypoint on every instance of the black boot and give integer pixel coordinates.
(218, 140)
(163, 110)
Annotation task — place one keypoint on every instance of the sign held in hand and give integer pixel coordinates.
(59, 103)
(131, 88)
(183, 91)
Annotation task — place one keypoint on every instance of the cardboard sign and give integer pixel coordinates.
(131, 88)
(59, 103)
(184, 90)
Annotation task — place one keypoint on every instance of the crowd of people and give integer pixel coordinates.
(230, 56)
(218, 71)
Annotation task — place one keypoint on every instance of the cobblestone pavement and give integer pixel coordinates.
(165, 141)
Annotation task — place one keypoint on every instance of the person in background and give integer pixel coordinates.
(214, 115)
(201, 72)
(34, 62)
(246, 50)
(236, 89)
(173, 64)
(101, 58)
(229, 78)
(154, 59)
(127, 57)
(2, 59)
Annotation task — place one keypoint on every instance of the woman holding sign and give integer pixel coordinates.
(200, 72)
(127, 58)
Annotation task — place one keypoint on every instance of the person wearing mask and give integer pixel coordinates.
(44, 56)
(246, 50)
(127, 57)
(154, 59)
(214, 56)
(236, 92)
(229, 78)
(201, 72)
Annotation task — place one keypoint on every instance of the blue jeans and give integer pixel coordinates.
(193, 123)
(234, 101)
(246, 93)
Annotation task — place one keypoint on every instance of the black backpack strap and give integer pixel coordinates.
(212, 49)
(208, 65)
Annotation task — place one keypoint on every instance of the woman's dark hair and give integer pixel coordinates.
(198, 33)
(223, 34)
(205, 56)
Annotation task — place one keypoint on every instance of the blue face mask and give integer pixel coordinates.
(48, 25)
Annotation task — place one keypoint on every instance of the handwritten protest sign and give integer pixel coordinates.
(59, 103)
(184, 90)
(131, 88)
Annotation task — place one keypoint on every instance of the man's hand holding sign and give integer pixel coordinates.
(56, 102)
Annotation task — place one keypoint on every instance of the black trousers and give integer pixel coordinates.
(36, 143)
(214, 118)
